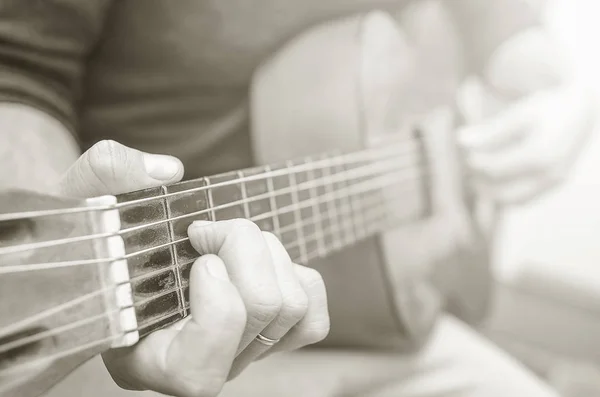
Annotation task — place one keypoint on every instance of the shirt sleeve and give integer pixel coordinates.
(44, 45)
(485, 24)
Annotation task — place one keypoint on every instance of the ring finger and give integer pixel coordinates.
(293, 309)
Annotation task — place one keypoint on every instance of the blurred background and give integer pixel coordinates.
(547, 311)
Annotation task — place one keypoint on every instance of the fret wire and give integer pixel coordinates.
(158, 319)
(332, 227)
(290, 208)
(211, 210)
(315, 209)
(365, 207)
(354, 219)
(177, 270)
(160, 294)
(211, 206)
(296, 210)
(244, 196)
(358, 218)
(335, 227)
(272, 203)
(301, 222)
(349, 158)
(380, 225)
(379, 220)
(346, 204)
(331, 209)
(309, 202)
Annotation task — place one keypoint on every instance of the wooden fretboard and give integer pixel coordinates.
(315, 206)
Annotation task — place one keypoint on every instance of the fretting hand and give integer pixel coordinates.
(247, 298)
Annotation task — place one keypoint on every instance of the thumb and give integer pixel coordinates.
(194, 356)
(109, 167)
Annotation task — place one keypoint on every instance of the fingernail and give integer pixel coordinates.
(215, 268)
(198, 225)
(201, 223)
(161, 167)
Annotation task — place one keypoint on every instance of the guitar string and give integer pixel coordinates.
(308, 164)
(313, 221)
(23, 323)
(327, 232)
(346, 176)
(7, 269)
(111, 338)
(337, 177)
(30, 267)
(50, 358)
(367, 186)
(309, 184)
(345, 159)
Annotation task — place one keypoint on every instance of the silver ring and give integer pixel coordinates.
(266, 341)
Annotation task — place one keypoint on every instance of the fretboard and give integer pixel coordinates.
(315, 206)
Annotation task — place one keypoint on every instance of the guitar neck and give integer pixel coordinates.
(315, 206)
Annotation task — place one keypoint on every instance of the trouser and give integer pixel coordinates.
(456, 362)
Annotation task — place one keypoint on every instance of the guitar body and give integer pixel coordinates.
(352, 84)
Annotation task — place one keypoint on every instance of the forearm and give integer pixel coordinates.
(35, 149)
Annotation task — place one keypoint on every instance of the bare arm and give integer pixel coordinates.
(35, 149)
(43, 52)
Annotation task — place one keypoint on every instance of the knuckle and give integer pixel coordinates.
(102, 159)
(294, 306)
(316, 333)
(276, 247)
(313, 278)
(320, 328)
(265, 305)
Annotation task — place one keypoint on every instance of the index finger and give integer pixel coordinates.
(500, 131)
(246, 254)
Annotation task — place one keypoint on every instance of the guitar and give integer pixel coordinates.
(86, 276)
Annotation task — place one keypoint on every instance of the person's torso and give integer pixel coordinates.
(172, 76)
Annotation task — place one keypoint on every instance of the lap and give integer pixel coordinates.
(456, 362)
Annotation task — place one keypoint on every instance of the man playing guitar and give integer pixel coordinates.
(121, 80)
